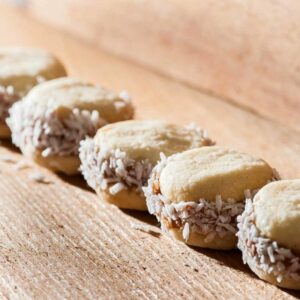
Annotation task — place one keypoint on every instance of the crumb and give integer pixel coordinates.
(38, 177)
(7, 159)
(145, 228)
(21, 165)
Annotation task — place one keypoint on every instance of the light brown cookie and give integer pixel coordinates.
(49, 123)
(118, 161)
(20, 70)
(269, 231)
(198, 194)
(212, 171)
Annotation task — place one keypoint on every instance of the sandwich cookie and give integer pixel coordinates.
(49, 123)
(198, 194)
(20, 70)
(118, 161)
(269, 233)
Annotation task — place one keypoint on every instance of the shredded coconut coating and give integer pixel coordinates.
(263, 252)
(202, 135)
(111, 170)
(7, 98)
(211, 219)
(41, 128)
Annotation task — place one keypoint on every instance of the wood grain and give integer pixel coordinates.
(243, 51)
(60, 241)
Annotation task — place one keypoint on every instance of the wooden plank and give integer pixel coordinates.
(59, 241)
(243, 51)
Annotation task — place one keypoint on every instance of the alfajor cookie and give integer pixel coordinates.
(49, 123)
(118, 161)
(20, 70)
(269, 233)
(198, 194)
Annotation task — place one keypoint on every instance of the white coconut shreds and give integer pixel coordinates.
(201, 134)
(42, 129)
(211, 219)
(263, 252)
(38, 177)
(112, 170)
(145, 228)
(7, 98)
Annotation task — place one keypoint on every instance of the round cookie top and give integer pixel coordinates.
(206, 172)
(23, 68)
(277, 212)
(65, 94)
(147, 139)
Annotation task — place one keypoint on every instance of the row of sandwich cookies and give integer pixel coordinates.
(204, 195)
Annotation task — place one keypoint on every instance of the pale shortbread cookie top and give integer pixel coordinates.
(65, 94)
(210, 171)
(146, 139)
(23, 68)
(277, 212)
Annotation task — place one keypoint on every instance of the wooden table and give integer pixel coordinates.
(58, 240)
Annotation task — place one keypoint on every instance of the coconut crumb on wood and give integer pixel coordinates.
(18, 165)
(145, 228)
(38, 177)
(21, 165)
(8, 159)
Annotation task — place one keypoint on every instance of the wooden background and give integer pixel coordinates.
(58, 240)
(245, 51)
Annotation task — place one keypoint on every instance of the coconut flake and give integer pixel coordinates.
(38, 177)
(8, 159)
(116, 188)
(124, 95)
(201, 133)
(145, 228)
(186, 231)
(21, 165)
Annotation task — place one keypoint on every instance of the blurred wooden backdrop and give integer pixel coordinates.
(244, 51)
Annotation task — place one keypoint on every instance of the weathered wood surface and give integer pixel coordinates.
(244, 51)
(59, 241)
